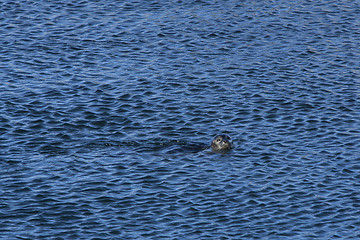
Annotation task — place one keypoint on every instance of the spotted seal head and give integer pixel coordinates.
(221, 143)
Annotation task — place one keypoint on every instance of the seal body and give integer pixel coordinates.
(221, 143)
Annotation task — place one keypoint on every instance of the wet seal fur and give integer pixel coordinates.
(221, 143)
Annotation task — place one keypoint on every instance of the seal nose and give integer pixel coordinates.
(224, 143)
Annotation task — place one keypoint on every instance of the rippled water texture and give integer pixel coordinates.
(107, 108)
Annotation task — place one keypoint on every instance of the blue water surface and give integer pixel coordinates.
(105, 107)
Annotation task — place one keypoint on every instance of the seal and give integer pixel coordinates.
(221, 143)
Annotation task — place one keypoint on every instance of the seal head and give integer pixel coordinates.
(221, 143)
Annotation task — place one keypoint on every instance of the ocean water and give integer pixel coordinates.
(105, 107)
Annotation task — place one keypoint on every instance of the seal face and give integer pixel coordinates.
(221, 143)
